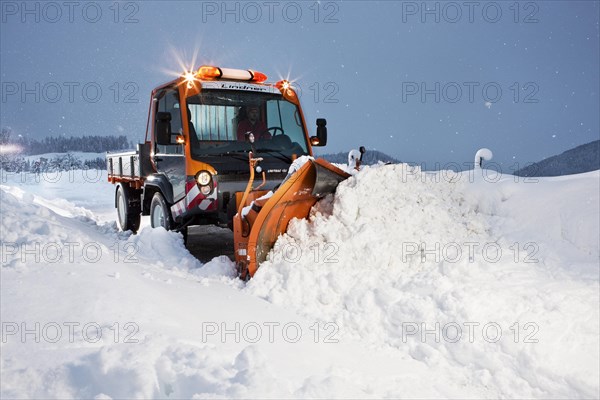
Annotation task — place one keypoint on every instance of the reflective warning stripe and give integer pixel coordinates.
(192, 194)
(178, 208)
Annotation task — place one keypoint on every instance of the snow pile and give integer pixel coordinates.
(369, 235)
(403, 284)
(105, 311)
(88, 312)
(398, 253)
(166, 250)
(152, 369)
(33, 234)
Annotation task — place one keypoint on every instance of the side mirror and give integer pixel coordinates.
(162, 131)
(321, 138)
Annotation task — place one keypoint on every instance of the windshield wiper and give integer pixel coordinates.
(237, 154)
(278, 154)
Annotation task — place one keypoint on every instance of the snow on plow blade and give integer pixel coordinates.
(294, 199)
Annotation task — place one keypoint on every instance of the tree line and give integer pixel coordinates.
(64, 144)
(16, 152)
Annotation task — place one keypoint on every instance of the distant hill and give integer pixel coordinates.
(578, 160)
(369, 158)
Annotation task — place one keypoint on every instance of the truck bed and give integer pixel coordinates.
(129, 166)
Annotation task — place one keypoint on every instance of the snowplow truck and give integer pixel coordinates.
(209, 133)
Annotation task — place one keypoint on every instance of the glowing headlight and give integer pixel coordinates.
(203, 178)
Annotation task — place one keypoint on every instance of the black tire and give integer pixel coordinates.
(160, 213)
(128, 209)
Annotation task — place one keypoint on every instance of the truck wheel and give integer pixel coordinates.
(129, 216)
(160, 214)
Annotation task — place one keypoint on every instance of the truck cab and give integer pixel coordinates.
(201, 128)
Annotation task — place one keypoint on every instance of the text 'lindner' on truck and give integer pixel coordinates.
(208, 132)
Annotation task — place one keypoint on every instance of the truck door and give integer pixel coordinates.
(170, 159)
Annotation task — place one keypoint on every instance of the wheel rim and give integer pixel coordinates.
(158, 217)
(121, 210)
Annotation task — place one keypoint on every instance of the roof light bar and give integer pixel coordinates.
(208, 72)
(237, 74)
(258, 76)
(211, 72)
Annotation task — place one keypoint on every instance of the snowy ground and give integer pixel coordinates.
(403, 284)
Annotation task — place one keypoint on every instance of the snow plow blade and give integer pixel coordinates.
(295, 197)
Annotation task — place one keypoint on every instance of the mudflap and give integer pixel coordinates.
(294, 199)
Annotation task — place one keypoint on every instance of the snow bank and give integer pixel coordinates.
(58, 231)
(69, 193)
(398, 253)
(404, 284)
(130, 318)
(153, 369)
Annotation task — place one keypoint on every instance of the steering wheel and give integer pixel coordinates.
(275, 129)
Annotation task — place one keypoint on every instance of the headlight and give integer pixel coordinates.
(203, 178)
(205, 190)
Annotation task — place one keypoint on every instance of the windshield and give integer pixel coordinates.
(224, 121)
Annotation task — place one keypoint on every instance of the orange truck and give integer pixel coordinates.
(208, 133)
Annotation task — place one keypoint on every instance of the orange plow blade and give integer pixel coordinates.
(294, 199)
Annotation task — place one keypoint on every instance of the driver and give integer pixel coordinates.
(252, 124)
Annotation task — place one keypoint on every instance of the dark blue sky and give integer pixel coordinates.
(420, 86)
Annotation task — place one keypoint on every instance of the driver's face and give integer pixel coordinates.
(253, 114)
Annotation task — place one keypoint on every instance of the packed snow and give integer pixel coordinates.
(403, 284)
